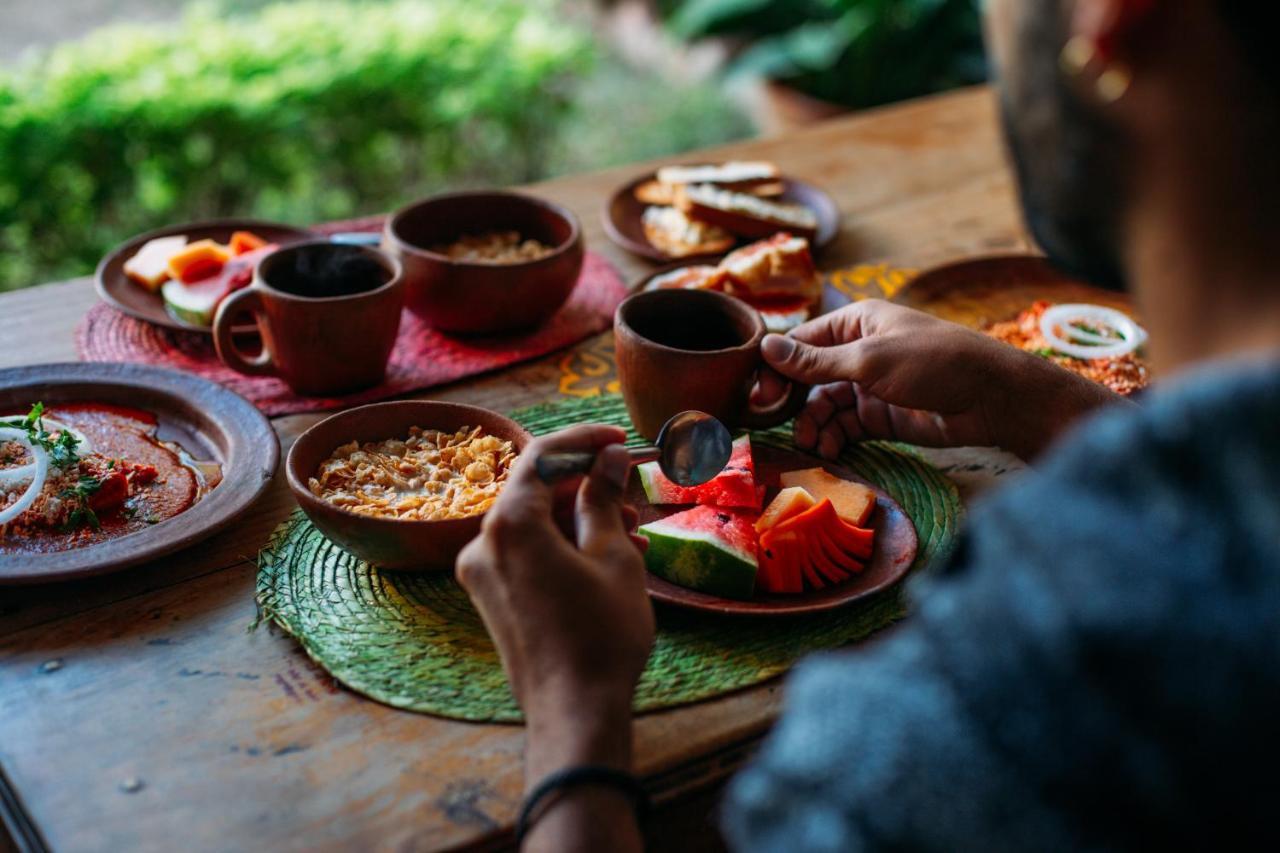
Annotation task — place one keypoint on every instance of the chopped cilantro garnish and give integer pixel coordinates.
(80, 492)
(61, 450)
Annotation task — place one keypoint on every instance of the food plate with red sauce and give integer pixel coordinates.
(131, 462)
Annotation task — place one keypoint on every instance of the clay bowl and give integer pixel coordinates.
(484, 298)
(387, 543)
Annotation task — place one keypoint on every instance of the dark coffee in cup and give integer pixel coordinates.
(326, 270)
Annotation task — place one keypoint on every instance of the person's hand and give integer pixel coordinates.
(568, 611)
(885, 371)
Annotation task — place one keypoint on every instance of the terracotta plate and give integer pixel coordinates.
(622, 217)
(895, 549)
(123, 294)
(208, 421)
(982, 291)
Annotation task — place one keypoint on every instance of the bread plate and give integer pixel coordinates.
(623, 216)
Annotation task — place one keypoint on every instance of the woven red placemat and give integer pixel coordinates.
(421, 359)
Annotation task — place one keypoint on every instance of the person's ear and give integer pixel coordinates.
(1098, 50)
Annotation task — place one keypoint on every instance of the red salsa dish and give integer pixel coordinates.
(78, 474)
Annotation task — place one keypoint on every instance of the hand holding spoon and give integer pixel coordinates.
(692, 448)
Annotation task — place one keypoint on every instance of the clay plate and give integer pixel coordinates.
(622, 218)
(895, 548)
(384, 542)
(120, 292)
(982, 291)
(209, 421)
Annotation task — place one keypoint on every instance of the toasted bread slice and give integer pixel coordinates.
(656, 192)
(676, 235)
(734, 175)
(744, 214)
(701, 277)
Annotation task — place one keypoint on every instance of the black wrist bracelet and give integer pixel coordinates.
(571, 777)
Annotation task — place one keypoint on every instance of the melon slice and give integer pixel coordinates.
(853, 501)
(710, 549)
(194, 303)
(735, 486)
(149, 266)
(789, 502)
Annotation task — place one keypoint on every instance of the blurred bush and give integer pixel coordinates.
(857, 53)
(303, 112)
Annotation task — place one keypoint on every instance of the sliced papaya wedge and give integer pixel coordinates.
(837, 565)
(858, 541)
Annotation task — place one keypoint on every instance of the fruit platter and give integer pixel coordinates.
(778, 532)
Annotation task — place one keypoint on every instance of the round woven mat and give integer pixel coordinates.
(414, 641)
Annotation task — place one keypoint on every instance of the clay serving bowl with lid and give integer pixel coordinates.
(384, 542)
(474, 297)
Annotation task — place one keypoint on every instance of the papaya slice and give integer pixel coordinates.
(858, 541)
(244, 242)
(780, 563)
(198, 261)
(837, 565)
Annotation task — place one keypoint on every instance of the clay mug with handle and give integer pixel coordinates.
(693, 349)
(328, 315)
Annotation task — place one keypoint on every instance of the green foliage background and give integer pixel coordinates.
(304, 111)
(860, 53)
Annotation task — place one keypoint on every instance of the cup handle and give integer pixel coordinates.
(245, 301)
(780, 412)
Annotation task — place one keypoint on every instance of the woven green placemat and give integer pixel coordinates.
(414, 641)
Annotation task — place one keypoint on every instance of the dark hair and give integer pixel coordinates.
(1247, 21)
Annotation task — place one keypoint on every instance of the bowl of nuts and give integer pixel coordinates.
(486, 262)
(404, 485)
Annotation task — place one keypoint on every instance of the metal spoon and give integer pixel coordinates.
(692, 448)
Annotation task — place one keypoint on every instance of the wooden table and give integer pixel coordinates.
(138, 712)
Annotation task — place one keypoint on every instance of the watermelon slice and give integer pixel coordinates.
(710, 549)
(735, 486)
(196, 302)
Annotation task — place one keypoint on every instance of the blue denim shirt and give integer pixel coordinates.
(1096, 666)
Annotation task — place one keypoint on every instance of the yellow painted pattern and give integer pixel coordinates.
(869, 281)
(589, 371)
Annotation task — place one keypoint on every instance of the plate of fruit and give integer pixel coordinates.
(778, 532)
(177, 276)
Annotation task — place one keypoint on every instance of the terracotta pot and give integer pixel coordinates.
(484, 298)
(780, 108)
(389, 543)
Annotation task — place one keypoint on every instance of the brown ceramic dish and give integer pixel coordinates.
(623, 214)
(387, 543)
(125, 295)
(207, 420)
(484, 298)
(981, 291)
(895, 549)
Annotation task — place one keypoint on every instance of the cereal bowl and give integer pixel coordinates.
(470, 296)
(364, 521)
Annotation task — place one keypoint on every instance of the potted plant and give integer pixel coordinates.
(821, 57)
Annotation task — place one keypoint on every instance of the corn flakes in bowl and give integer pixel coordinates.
(404, 485)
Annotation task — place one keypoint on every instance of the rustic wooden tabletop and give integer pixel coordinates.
(138, 712)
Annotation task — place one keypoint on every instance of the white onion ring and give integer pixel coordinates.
(1132, 335)
(37, 482)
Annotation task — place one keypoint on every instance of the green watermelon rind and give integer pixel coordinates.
(699, 560)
